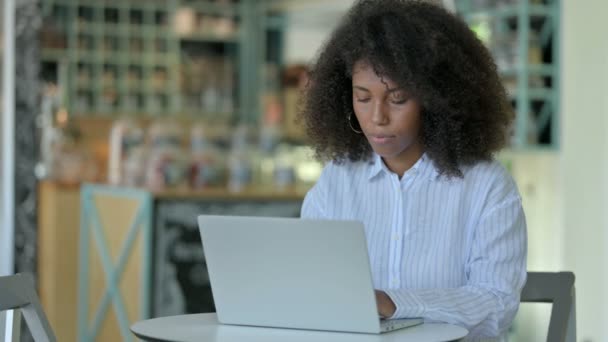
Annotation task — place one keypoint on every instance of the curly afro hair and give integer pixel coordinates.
(431, 53)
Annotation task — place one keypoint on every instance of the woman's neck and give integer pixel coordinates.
(404, 161)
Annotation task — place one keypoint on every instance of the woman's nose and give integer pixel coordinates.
(379, 114)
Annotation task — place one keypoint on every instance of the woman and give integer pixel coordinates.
(406, 105)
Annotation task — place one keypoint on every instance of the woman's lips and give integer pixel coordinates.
(382, 138)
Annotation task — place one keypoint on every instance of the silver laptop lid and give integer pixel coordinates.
(290, 273)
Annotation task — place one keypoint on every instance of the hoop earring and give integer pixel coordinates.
(351, 126)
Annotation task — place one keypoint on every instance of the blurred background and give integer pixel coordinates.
(188, 106)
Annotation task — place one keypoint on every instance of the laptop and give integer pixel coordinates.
(292, 273)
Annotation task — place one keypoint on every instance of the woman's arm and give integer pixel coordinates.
(496, 273)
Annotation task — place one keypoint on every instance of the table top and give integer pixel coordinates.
(206, 328)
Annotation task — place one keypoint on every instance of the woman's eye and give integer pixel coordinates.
(399, 101)
(363, 100)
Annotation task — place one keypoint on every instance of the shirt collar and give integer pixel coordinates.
(424, 166)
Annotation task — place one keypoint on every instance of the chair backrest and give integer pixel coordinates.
(18, 294)
(558, 289)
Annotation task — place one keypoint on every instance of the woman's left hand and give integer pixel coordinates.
(386, 307)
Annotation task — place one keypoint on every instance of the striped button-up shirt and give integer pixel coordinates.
(445, 249)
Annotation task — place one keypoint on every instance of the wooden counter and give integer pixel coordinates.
(249, 193)
(174, 230)
(58, 233)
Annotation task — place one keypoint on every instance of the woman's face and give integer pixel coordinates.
(388, 116)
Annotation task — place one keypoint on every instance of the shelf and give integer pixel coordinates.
(122, 58)
(149, 4)
(212, 117)
(124, 29)
(146, 32)
(508, 11)
(133, 88)
(147, 91)
(209, 38)
(209, 7)
(184, 116)
(154, 59)
(86, 27)
(54, 55)
(540, 94)
(546, 70)
(544, 94)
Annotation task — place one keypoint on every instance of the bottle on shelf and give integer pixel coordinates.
(239, 161)
(167, 163)
(125, 136)
(206, 165)
(284, 171)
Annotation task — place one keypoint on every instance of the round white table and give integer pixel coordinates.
(206, 328)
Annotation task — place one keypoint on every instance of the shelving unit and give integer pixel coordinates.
(132, 57)
(120, 58)
(523, 36)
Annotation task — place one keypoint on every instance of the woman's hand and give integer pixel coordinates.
(386, 307)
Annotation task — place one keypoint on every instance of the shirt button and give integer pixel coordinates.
(396, 237)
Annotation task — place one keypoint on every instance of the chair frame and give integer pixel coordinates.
(558, 289)
(19, 297)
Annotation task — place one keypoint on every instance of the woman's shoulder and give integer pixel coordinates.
(486, 169)
(337, 175)
(493, 176)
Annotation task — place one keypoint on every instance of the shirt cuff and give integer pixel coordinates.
(407, 304)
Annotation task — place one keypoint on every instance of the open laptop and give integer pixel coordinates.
(292, 273)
